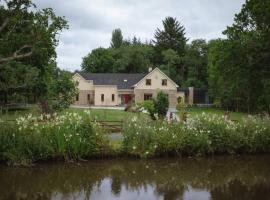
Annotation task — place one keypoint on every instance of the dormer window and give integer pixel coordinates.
(164, 82)
(148, 82)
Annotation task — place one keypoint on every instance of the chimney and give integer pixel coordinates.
(149, 69)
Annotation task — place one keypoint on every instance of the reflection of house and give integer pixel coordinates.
(112, 89)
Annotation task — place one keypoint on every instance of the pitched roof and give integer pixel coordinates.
(113, 79)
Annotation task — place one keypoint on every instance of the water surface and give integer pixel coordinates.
(221, 178)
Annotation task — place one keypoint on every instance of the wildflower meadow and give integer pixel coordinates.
(69, 136)
(200, 135)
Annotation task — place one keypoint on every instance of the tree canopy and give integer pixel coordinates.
(239, 66)
(172, 37)
(27, 52)
(117, 38)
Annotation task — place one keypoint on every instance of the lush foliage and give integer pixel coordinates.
(238, 68)
(156, 107)
(195, 64)
(149, 107)
(184, 63)
(161, 103)
(200, 135)
(67, 136)
(27, 52)
(172, 37)
(131, 58)
(62, 91)
(117, 38)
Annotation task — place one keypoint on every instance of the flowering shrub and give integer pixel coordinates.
(200, 135)
(68, 136)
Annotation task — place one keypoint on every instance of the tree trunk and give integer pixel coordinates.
(44, 105)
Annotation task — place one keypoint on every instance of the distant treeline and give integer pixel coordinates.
(236, 70)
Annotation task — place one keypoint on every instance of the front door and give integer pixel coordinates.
(126, 98)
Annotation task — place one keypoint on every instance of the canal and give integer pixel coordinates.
(216, 178)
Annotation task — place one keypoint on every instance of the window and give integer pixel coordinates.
(164, 82)
(112, 97)
(147, 96)
(77, 97)
(102, 97)
(88, 97)
(148, 81)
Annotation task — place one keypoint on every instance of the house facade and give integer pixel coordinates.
(116, 89)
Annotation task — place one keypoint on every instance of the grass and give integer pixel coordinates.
(106, 114)
(100, 114)
(192, 111)
(11, 115)
(116, 115)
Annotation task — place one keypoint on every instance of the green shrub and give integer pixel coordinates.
(200, 135)
(69, 136)
(161, 104)
(156, 108)
(149, 106)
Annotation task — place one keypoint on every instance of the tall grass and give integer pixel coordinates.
(200, 135)
(68, 136)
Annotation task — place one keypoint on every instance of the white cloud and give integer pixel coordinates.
(92, 21)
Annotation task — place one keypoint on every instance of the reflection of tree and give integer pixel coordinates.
(116, 181)
(237, 190)
(169, 191)
(169, 179)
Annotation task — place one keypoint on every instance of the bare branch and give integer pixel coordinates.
(4, 24)
(17, 54)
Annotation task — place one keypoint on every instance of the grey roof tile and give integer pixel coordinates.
(114, 79)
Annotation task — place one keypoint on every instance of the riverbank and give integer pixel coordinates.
(76, 136)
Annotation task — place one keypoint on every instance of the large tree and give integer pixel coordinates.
(28, 38)
(195, 64)
(171, 62)
(133, 58)
(171, 37)
(169, 44)
(100, 60)
(241, 63)
(117, 38)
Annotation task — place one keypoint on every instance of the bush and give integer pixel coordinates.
(200, 135)
(158, 106)
(68, 136)
(161, 104)
(149, 106)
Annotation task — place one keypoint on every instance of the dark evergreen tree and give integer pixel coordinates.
(172, 37)
(117, 38)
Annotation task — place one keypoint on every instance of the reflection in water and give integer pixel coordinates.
(218, 178)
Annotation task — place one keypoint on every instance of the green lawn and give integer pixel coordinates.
(100, 114)
(106, 114)
(116, 115)
(13, 114)
(233, 115)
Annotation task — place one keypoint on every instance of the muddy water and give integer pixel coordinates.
(221, 178)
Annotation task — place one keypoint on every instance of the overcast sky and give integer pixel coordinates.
(92, 21)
